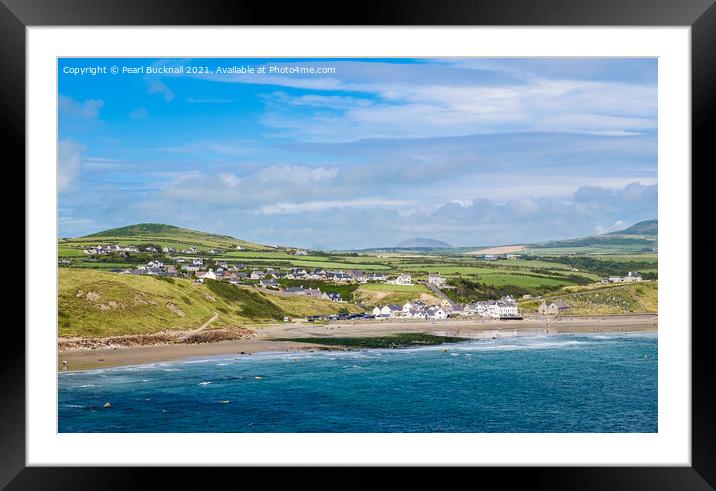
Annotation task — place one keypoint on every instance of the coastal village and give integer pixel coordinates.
(200, 266)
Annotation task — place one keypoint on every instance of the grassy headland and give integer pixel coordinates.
(95, 303)
(642, 297)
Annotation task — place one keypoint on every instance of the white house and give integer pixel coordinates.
(403, 279)
(340, 276)
(437, 313)
(377, 311)
(333, 297)
(489, 308)
(508, 307)
(391, 310)
(632, 276)
(436, 279)
(269, 283)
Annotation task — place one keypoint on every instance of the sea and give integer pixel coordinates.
(571, 383)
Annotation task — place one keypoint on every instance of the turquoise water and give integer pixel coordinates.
(559, 383)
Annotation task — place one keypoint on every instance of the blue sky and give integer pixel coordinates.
(471, 151)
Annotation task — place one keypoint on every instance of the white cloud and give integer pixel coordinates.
(158, 87)
(296, 174)
(442, 100)
(408, 111)
(87, 109)
(230, 179)
(316, 206)
(69, 156)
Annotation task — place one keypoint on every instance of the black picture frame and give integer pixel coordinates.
(700, 15)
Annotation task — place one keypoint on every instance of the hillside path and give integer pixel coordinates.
(200, 328)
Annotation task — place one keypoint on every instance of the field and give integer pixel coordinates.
(69, 252)
(537, 269)
(500, 250)
(304, 263)
(373, 294)
(382, 287)
(96, 302)
(100, 265)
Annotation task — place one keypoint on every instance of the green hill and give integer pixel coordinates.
(151, 229)
(161, 235)
(95, 304)
(640, 237)
(647, 227)
(620, 298)
(422, 243)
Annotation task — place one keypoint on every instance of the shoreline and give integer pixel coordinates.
(264, 338)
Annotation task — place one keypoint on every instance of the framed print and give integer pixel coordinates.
(441, 236)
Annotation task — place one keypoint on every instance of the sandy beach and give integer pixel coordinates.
(264, 338)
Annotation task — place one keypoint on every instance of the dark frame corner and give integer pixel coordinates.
(16, 15)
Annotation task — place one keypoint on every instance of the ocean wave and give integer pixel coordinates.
(192, 362)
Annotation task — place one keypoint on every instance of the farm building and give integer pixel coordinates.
(632, 276)
(629, 278)
(556, 307)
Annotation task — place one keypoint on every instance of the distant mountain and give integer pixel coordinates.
(647, 227)
(423, 244)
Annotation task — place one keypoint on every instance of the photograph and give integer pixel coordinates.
(357, 245)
